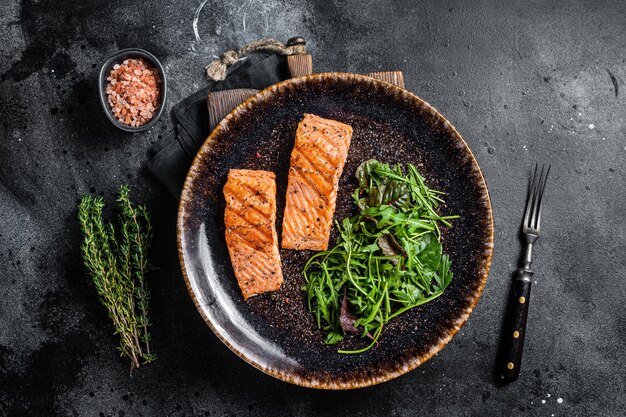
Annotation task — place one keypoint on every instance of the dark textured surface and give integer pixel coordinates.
(522, 81)
(274, 331)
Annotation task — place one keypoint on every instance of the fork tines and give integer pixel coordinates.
(532, 214)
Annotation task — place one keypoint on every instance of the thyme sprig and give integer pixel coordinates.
(387, 259)
(117, 260)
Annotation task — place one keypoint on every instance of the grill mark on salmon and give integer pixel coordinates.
(253, 233)
(317, 161)
(250, 208)
(252, 217)
(301, 205)
(305, 176)
(251, 238)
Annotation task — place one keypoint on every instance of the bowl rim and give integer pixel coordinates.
(104, 70)
(416, 361)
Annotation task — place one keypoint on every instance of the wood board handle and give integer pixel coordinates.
(300, 65)
(391, 77)
(220, 103)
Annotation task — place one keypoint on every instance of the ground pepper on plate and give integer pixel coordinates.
(134, 91)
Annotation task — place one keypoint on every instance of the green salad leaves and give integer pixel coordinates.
(387, 259)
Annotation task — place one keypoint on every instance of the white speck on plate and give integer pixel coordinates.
(591, 126)
(548, 395)
(559, 400)
(543, 401)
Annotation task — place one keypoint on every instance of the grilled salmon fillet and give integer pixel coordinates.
(251, 236)
(317, 161)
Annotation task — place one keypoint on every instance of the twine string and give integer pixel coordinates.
(216, 70)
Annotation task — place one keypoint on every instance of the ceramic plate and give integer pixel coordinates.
(273, 331)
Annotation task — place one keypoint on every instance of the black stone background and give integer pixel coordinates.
(521, 80)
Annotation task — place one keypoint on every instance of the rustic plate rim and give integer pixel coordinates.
(385, 376)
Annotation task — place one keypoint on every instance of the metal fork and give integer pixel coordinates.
(515, 325)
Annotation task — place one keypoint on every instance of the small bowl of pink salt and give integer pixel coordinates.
(133, 89)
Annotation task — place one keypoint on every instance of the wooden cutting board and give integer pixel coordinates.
(220, 103)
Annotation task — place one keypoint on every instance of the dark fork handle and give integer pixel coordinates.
(515, 327)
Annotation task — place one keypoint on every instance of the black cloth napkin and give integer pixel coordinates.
(169, 161)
